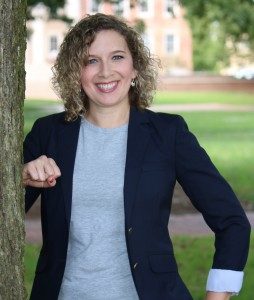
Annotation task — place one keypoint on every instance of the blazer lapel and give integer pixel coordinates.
(67, 146)
(138, 137)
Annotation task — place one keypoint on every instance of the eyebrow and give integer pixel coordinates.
(113, 52)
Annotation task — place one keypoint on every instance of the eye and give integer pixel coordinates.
(117, 57)
(91, 61)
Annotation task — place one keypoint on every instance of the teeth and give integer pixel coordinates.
(106, 86)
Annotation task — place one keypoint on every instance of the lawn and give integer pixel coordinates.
(33, 109)
(203, 97)
(31, 256)
(194, 257)
(228, 138)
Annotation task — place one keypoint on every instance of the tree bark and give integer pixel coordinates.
(12, 94)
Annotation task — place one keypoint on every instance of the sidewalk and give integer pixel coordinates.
(181, 107)
(202, 107)
(186, 224)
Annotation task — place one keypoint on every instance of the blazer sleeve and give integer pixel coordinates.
(213, 197)
(32, 150)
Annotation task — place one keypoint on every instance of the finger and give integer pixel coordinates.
(36, 183)
(39, 165)
(48, 169)
(51, 181)
(57, 171)
(30, 171)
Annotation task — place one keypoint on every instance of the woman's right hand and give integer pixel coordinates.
(41, 172)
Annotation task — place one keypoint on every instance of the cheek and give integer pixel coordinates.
(126, 69)
(85, 78)
(129, 72)
(82, 77)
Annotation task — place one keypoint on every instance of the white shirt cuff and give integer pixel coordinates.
(224, 281)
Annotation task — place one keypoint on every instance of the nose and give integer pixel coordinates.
(105, 69)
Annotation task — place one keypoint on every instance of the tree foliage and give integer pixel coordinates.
(53, 5)
(218, 27)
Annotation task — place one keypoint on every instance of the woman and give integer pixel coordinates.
(106, 169)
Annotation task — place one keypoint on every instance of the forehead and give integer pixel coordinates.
(108, 40)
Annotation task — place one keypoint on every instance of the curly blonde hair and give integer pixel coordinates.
(73, 56)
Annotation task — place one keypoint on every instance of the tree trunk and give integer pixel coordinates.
(12, 93)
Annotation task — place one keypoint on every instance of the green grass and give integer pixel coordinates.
(204, 97)
(228, 137)
(194, 257)
(34, 109)
(31, 256)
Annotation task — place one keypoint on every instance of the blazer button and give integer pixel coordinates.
(130, 230)
(135, 265)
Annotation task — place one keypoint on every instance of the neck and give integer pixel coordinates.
(108, 117)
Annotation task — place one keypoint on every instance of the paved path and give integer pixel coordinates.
(186, 224)
(179, 107)
(202, 107)
(194, 224)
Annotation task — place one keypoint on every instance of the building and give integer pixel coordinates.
(167, 34)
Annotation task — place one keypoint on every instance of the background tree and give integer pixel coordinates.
(219, 27)
(12, 93)
(53, 5)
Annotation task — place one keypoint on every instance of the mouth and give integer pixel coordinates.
(107, 87)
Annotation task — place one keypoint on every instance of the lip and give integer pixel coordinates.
(107, 87)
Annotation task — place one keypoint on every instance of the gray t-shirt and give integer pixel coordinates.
(97, 266)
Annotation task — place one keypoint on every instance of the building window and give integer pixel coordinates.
(147, 38)
(169, 6)
(170, 43)
(53, 43)
(53, 47)
(143, 5)
(146, 8)
(119, 8)
(94, 6)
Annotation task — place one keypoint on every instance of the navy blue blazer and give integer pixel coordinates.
(160, 150)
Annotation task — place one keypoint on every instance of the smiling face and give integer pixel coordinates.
(107, 76)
